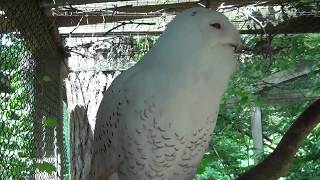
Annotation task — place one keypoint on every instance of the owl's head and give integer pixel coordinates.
(203, 27)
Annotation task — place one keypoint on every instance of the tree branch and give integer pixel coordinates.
(278, 162)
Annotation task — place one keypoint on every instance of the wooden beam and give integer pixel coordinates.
(213, 3)
(283, 76)
(178, 7)
(102, 34)
(302, 24)
(289, 96)
(173, 7)
(282, 97)
(67, 21)
(48, 3)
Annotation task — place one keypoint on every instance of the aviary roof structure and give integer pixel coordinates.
(100, 18)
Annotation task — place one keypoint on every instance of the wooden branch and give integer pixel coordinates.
(278, 162)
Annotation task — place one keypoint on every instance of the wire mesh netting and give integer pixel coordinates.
(30, 103)
(16, 107)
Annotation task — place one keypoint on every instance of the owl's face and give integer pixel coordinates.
(207, 27)
(215, 28)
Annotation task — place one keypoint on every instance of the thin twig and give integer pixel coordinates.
(255, 20)
(125, 23)
(222, 160)
(82, 55)
(77, 25)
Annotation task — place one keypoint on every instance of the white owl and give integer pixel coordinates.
(156, 118)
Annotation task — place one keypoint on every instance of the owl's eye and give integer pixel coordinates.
(216, 25)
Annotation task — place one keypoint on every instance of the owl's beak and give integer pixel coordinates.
(237, 44)
(236, 47)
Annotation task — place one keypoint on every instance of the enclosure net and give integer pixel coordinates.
(30, 98)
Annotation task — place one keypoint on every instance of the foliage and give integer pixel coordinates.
(141, 45)
(46, 78)
(231, 148)
(45, 167)
(50, 121)
(15, 109)
(16, 106)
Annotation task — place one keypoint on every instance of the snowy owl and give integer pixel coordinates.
(155, 120)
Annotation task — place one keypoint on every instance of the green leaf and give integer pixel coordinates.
(50, 121)
(45, 167)
(244, 99)
(46, 78)
(202, 167)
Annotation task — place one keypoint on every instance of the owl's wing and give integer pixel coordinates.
(106, 153)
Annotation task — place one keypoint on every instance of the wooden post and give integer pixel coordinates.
(256, 129)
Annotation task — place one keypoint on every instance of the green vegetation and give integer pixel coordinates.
(16, 111)
(230, 152)
(141, 45)
(16, 127)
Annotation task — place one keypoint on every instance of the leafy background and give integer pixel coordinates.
(231, 148)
